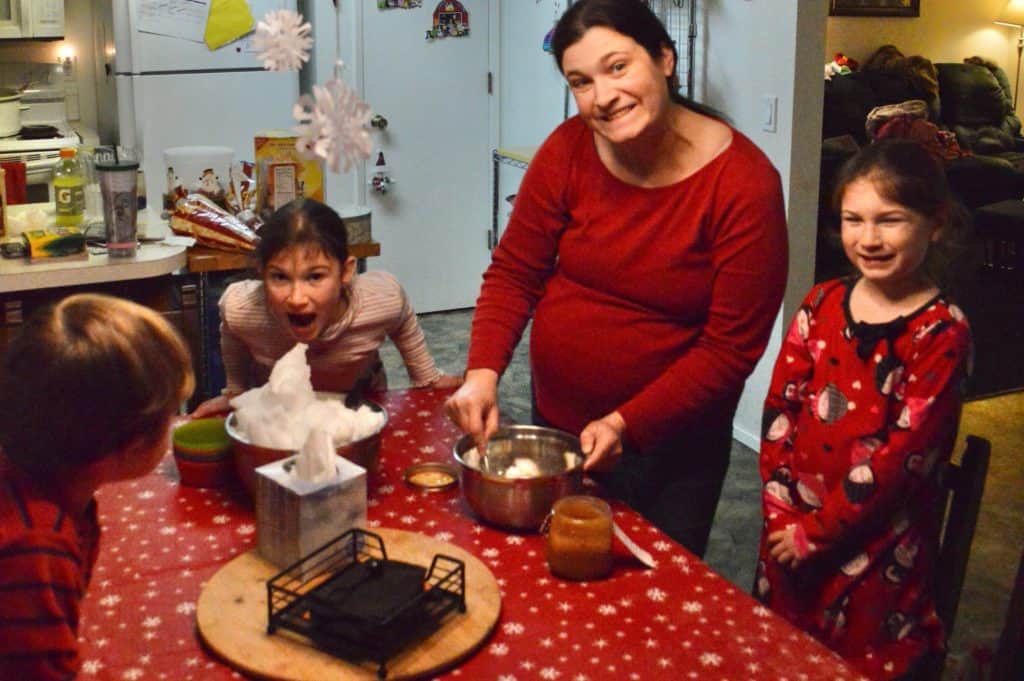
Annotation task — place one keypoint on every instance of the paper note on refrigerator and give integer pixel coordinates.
(229, 20)
(175, 18)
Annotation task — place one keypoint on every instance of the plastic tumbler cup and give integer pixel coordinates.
(120, 207)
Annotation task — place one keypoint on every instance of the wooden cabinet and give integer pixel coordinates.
(172, 295)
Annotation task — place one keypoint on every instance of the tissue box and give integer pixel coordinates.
(295, 517)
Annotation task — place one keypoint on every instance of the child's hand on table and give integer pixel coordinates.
(446, 381)
(215, 406)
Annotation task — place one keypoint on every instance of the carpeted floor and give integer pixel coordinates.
(733, 545)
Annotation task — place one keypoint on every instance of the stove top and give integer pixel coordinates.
(37, 132)
(40, 136)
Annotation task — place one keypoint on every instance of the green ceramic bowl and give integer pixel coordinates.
(202, 452)
(203, 438)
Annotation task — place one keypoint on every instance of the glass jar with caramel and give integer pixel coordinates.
(579, 538)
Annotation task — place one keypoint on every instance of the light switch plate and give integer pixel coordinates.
(769, 113)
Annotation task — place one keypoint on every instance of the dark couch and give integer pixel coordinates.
(974, 101)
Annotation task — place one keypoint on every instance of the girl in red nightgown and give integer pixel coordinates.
(863, 410)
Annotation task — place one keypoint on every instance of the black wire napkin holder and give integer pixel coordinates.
(351, 601)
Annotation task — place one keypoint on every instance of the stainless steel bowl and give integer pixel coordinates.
(248, 456)
(521, 503)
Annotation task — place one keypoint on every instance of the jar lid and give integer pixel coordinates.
(67, 152)
(432, 476)
(117, 166)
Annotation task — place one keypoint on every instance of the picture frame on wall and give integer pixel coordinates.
(874, 8)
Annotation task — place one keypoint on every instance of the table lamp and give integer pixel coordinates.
(1013, 15)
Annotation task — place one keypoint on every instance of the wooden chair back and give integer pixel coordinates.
(964, 484)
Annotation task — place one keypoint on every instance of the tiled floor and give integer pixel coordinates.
(733, 545)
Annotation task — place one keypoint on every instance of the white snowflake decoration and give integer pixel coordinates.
(283, 40)
(333, 125)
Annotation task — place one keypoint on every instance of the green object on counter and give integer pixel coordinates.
(58, 242)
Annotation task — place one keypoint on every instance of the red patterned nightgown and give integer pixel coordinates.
(857, 421)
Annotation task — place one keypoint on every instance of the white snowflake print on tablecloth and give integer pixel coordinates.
(91, 666)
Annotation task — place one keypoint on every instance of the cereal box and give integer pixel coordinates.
(282, 174)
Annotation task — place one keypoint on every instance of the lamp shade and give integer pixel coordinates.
(1012, 14)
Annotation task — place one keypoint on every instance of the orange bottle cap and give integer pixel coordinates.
(67, 152)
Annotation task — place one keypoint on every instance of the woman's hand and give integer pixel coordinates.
(446, 381)
(474, 406)
(601, 442)
(221, 404)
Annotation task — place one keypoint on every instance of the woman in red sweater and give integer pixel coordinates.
(648, 243)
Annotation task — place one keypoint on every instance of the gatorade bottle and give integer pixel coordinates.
(69, 189)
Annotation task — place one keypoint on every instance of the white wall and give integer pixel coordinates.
(530, 86)
(787, 34)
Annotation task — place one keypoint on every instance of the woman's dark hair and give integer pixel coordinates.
(904, 172)
(303, 222)
(631, 18)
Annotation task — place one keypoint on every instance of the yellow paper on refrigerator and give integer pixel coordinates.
(228, 20)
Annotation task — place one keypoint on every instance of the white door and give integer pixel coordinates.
(432, 223)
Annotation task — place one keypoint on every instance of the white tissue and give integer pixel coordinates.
(315, 462)
(33, 218)
(282, 413)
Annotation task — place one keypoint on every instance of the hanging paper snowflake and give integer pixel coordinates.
(333, 125)
(283, 40)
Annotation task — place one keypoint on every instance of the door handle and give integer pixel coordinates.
(379, 122)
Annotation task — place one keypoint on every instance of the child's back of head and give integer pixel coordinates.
(85, 378)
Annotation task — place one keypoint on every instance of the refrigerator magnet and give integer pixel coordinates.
(450, 20)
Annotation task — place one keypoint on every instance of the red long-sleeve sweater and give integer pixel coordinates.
(656, 302)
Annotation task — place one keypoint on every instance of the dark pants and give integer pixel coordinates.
(677, 486)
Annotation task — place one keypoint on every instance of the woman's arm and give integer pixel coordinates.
(526, 255)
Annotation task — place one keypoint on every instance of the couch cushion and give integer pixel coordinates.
(971, 96)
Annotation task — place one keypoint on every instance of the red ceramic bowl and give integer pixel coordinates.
(248, 456)
(202, 452)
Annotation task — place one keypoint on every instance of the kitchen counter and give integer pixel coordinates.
(151, 260)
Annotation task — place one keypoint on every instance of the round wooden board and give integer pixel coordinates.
(232, 619)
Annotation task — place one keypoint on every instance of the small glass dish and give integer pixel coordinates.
(431, 476)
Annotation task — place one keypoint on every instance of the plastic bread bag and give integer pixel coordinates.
(197, 216)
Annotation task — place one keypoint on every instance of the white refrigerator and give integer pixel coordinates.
(158, 89)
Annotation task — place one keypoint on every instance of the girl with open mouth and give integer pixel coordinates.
(308, 291)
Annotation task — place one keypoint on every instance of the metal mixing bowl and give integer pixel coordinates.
(248, 456)
(519, 503)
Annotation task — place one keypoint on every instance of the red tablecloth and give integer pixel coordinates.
(162, 541)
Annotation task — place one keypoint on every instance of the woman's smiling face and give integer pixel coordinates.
(619, 89)
(304, 289)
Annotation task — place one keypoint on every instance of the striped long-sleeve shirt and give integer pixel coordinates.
(251, 340)
(46, 558)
